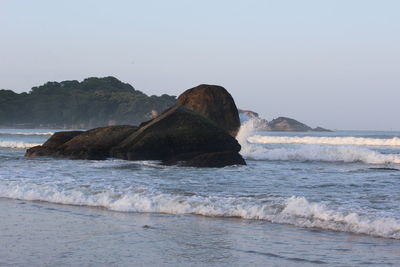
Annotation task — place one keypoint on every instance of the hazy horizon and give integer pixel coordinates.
(333, 64)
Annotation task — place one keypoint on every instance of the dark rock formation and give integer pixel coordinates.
(96, 143)
(60, 138)
(92, 144)
(178, 134)
(52, 145)
(213, 102)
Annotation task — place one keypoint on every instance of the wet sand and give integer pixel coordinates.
(45, 234)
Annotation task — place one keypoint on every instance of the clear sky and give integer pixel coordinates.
(332, 63)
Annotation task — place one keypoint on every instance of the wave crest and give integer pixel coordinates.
(357, 141)
(17, 144)
(27, 133)
(252, 148)
(296, 211)
(324, 153)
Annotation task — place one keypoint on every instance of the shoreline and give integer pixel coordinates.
(39, 233)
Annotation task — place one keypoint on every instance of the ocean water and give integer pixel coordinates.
(304, 199)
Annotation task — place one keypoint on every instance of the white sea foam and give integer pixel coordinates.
(294, 210)
(16, 144)
(247, 129)
(252, 148)
(26, 133)
(324, 153)
(357, 141)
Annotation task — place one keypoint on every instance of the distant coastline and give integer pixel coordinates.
(78, 105)
(96, 102)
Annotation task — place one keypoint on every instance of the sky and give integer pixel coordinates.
(330, 63)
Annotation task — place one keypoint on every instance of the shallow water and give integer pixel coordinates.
(38, 233)
(304, 199)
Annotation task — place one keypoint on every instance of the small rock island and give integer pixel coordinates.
(198, 131)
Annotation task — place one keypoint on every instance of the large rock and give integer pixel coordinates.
(92, 144)
(213, 102)
(52, 145)
(96, 143)
(180, 134)
(60, 138)
(198, 131)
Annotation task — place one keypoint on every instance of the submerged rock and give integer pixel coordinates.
(213, 102)
(178, 134)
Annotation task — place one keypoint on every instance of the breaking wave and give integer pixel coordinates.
(16, 144)
(324, 153)
(356, 141)
(296, 211)
(27, 133)
(309, 152)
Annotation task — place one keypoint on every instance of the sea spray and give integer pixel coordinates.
(248, 129)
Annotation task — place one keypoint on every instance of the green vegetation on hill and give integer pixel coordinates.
(90, 103)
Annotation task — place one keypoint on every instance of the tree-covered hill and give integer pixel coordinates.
(90, 103)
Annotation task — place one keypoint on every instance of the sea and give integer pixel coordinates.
(304, 199)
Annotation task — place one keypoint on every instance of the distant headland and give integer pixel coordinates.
(96, 102)
(280, 124)
(72, 104)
